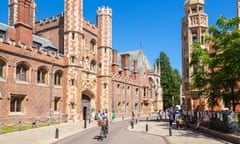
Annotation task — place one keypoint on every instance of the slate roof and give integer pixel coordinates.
(44, 42)
(140, 57)
(3, 27)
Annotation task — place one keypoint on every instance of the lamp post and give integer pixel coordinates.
(125, 93)
(51, 87)
(200, 97)
(113, 95)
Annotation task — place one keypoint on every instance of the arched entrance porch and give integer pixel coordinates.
(88, 106)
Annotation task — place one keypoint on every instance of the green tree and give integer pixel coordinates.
(170, 81)
(177, 80)
(226, 38)
(203, 69)
(222, 63)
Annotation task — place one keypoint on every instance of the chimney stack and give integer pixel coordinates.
(125, 64)
(115, 66)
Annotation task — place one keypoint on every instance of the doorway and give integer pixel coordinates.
(86, 101)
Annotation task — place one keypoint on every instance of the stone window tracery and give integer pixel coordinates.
(2, 69)
(22, 72)
(42, 75)
(17, 103)
(58, 78)
(92, 45)
(57, 103)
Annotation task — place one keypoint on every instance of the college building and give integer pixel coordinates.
(64, 68)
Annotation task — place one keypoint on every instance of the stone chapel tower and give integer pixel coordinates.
(194, 27)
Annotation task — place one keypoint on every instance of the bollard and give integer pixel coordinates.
(146, 127)
(170, 131)
(20, 125)
(132, 123)
(57, 133)
(37, 123)
(85, 123)
(49, 121)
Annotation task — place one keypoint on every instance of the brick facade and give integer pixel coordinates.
(70, 62)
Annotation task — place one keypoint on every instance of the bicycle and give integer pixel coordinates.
(104, 129)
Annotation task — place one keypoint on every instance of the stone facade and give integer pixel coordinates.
(64, 68)
(194, 27)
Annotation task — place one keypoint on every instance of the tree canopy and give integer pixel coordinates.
(218, 67)
(170, 81)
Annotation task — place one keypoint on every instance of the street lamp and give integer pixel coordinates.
(113, 95)
(125, 91)
(51, 87)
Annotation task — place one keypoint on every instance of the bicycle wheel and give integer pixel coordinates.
(101, 134)
(105, 133)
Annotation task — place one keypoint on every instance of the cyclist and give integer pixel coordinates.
(103, 123)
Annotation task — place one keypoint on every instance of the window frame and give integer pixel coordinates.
(17, 104)
(58, 78)
(42, 75)
(22, 72)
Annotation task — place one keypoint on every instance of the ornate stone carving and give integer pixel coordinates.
(89, 83)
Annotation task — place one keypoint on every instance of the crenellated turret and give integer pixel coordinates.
(104, 24)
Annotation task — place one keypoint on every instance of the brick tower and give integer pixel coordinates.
(73, 45)
(22, 17)
(194, 27)
(104, 19)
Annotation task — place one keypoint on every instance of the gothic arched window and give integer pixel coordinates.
(22, 72)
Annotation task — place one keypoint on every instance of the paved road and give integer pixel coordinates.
(118, 134)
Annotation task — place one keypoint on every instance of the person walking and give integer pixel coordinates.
(171, 118)
(113, 116)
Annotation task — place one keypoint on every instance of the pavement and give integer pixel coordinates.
(178, 136)
(49, 134)
(44, 135)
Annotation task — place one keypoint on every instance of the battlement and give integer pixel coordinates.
(194, 1)
(104, 10)
(90, 26)
(23, 48)
(50, 20)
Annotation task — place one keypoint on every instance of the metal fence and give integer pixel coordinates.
(224, 121)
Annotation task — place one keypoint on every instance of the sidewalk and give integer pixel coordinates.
(179, 136)
(44, 135)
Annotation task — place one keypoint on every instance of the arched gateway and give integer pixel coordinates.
(88, 106)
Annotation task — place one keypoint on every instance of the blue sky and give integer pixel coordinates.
(150, 25)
